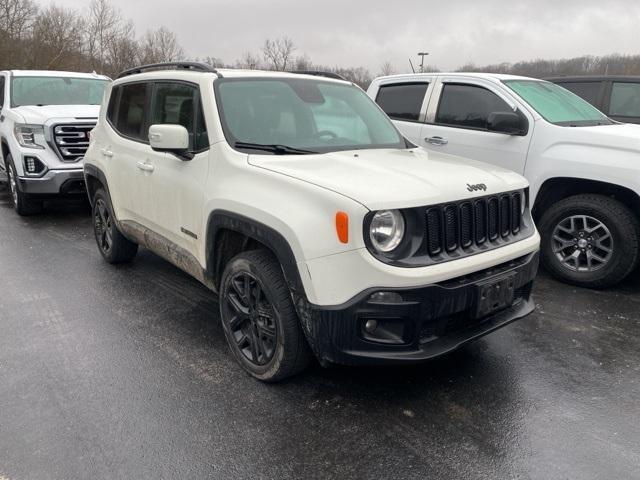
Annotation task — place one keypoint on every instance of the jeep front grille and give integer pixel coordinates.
(71, 140)
(454, 230)
(459, 226)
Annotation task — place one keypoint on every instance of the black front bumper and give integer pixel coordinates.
(422, 323)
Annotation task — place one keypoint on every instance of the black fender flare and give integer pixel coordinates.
(95, 172)
(272, 239)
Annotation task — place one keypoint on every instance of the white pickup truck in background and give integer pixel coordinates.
(584, 168)
(45, 120)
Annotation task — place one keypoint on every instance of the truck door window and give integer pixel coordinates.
(468, 106)
(402, 101)
(179, 104)
(625, 99)
(1, 92)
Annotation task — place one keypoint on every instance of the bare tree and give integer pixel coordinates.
(16, 21)
(249, 61)
(160, 45)
(55, 43)
(103, 26)
(303, 63)
(279, 53)
(123, 51)
(387, 68)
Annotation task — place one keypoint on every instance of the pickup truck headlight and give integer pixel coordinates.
(386, 230)
(30, 136)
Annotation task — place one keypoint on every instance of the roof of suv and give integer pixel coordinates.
(194, 75)
(56, 73)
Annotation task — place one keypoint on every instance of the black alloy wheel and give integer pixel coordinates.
(258, 317)
(102, 224)
(252, 319)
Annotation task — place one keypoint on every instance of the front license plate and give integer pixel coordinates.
(494, 295)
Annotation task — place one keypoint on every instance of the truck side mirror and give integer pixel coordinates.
(170, 138)
(506, 122)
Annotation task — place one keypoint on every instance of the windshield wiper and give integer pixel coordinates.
(276, 149)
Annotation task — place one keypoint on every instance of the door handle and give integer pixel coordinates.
(107, 153)
(147, 167)
(436, 140)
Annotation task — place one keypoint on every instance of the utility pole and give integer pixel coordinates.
(422, 54)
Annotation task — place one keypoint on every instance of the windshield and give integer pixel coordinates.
(56, 91)
(298, 116)
(558, 105)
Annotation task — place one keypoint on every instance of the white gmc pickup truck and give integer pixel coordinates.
(45, 120)
(583, 167)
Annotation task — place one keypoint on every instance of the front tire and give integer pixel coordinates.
(259, 319)
(114, 247)
(590, 241)
(21, 202)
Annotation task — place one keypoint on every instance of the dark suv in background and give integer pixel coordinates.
(616, 96)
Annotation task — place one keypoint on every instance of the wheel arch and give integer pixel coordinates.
(229, 234)
(558, 188)
(95, 178)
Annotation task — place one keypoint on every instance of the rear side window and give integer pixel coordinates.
(586, 90)
(625, 99)
(130, 118)
(1, 91)
(402, 101)
(468, 106)
(179, 104)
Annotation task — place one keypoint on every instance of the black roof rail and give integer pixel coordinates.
(319, 73)
(195, 66)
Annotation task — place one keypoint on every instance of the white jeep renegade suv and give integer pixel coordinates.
(45, 120)
(323, 230)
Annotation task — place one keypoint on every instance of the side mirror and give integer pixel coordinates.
(506, 122)
(170, 138)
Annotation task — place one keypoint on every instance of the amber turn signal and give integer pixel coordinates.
(342, 226)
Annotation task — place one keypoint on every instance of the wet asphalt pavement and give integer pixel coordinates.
(123, 372)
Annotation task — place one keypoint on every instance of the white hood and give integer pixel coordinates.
(40, 115)
(624, 136)
(380, 179)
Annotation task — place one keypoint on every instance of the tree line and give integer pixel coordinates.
(99, 38)
(614, 64)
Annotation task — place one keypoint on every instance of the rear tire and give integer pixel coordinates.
(21, 202)
(114, 247)
(258, 317)
(590, 240)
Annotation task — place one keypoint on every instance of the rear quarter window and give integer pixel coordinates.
(402, 101)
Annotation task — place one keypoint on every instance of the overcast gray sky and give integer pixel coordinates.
(368, 33)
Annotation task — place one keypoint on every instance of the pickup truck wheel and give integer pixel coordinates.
(259, 319)
(22, 204)
(590, 241)
(114, 247)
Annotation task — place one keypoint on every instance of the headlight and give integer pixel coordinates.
(386, 230)
(30, 136)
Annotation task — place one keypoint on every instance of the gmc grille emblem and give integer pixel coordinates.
(476, 187)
